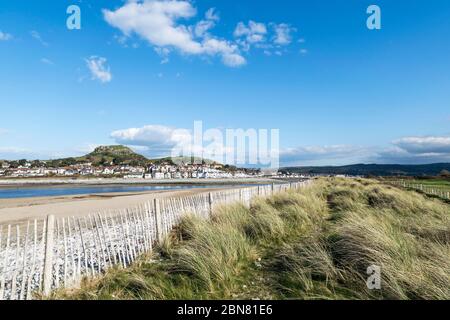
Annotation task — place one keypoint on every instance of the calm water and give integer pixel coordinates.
(28, 192)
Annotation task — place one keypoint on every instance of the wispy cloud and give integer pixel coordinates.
(283, 33)
(5, 36)
(324, 155)
(414, 150)
(99, 69)
(14, 153)
(272, 38)
(36, 35)
(406, 150)
(87, 148)
(47, 61)
(203, 26)
(250, 33)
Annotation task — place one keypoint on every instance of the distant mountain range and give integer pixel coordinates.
(375, 169)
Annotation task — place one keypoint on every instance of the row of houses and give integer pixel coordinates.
(158, 172)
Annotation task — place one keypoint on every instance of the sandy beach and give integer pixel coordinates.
(18, 210)
(13, 211)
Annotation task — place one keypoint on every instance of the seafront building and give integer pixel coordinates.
(155, 172)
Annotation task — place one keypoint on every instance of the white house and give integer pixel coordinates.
(108, 171)
(159, 175)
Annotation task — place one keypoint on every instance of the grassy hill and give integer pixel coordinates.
(115, 154)
(374, 169)
(105, 155)
(314, 243)
(118, 154)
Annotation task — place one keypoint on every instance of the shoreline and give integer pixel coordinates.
(20, 210)
(61, 182)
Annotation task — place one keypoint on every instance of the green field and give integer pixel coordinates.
(434, 187)
(435, 183)
(312, 243)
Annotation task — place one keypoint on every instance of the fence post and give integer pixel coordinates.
(158, 220)
(210, 201)
(48, 259)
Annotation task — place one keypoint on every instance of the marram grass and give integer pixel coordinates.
(314, 243)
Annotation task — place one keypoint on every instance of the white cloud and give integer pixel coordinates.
(98, 68)
(211, 14)
(233, 60)
(12, 150)
(323, 155)
(87, 148)
(407, 150)
(158, 22)
(253, 32)
(395, 155)
(138, 148)
(14, 153)
(257, 34)
(163, 141)
(122, 40)
(226, 49)
(5, 36)
(416, 150)
(424, 145)
(283, 33)
(157, 139)
(203, 26)
(47, 61)
(36, 35)
(150, 135)
(163, 53)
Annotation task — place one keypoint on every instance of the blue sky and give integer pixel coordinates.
(339, 92)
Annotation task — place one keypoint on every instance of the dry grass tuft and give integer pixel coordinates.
(314, 243)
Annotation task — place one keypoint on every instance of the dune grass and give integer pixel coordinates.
(313, 243)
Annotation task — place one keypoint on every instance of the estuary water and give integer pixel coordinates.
(54, 191)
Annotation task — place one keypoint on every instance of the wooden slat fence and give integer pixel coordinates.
(56, 253)
(430, 190)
